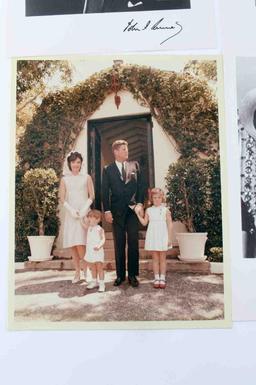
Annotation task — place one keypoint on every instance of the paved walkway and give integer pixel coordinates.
(50, 296)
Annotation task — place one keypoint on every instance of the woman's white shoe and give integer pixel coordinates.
(76, 278)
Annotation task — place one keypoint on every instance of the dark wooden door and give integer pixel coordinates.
(94, 161)
(137, 130)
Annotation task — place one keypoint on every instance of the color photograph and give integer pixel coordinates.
(119, 214)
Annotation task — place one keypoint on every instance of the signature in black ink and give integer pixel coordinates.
(133, 26)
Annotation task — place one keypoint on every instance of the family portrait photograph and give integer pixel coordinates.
(118, 215)
(63, 7)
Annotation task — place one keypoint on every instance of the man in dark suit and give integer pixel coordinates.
(143, 5)
(53, 7)
(123, 193)
(62, 7)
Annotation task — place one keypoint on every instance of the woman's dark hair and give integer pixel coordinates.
(73, 155)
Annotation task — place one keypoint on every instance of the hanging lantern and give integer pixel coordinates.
(115, 88)
(117, 100)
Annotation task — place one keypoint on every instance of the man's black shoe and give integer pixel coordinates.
(133, 281)
(118, 281)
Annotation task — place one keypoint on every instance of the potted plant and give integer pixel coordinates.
(216, 259)
(191, 199)
(41, 195)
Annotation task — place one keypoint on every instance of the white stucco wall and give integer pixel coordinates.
(163, 147)
(164, 150)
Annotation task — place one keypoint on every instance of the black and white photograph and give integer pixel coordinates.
(118, 213)
(246, 101)
(64, 27)
(63, 7)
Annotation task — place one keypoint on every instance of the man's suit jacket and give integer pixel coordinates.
(143, 5)
(118, 195)
(62, 7)
(53, 7)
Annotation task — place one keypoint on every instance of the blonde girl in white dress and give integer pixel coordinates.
(76, 195)
(94, 255)
(158, 235)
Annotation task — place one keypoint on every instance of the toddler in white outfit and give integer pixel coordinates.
(94, 255)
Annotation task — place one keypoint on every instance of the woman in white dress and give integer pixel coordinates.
(76, 195)
(158, 236)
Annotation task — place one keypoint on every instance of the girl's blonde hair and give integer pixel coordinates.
(95, 214)
(155, 191)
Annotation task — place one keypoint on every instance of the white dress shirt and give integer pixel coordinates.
(119, 166)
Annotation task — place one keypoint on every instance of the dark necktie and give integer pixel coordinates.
(123, 172)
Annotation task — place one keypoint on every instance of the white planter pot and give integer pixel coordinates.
(41, 247)
(216, 267)
(192, 246)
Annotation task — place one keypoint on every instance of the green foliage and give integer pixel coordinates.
(182, 104)
(194, 196)
(214, 213)
(35, 79)
(202, 68)
(34, 73)
(187, 191)
(26, 220)
(216, 254)
(40, 194)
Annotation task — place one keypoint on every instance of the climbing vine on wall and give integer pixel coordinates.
(184, 106)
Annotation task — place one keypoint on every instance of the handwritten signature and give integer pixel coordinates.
(133, 26)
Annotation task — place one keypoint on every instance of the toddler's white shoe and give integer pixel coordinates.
(92, 285)
(101, 287)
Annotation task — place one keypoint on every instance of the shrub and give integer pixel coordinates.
(36, 202)
(194, 196)
(216, 254)
(25, 221)
(41, 194)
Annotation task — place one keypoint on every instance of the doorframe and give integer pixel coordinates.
(94, 163)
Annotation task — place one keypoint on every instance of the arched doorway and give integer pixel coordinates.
(136, 130)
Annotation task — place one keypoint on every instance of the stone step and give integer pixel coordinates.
(109, 234)
(109, 244)
(174, 265)
(177, 266)
(109, 253)
(144, 254)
